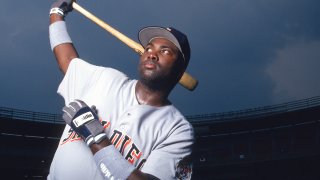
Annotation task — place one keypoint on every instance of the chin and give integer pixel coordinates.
(148, 75)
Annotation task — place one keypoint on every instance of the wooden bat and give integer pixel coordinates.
(186, 80)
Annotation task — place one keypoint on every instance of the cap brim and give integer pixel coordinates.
(149, 33)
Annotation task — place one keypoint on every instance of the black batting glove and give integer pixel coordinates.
(62, 7)
(84, 121)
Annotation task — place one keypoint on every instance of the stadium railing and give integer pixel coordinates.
(17, 114)
(224, 116)
(257, 112)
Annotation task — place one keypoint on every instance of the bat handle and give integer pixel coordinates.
(129, 42)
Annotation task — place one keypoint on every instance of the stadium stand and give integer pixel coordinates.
(277, 142)
(28, 142)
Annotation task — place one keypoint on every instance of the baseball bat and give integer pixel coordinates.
(186, 80)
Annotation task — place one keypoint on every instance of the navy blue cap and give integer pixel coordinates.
(176, 37)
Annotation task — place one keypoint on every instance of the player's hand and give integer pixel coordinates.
(84, 121)
(64, 5)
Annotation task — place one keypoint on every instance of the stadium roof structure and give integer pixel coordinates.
(256, 112)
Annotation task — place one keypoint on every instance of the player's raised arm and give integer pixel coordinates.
(60, 40)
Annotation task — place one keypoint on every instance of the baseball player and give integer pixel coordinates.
(121, 128)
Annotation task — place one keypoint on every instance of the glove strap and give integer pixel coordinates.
(98, 138)
(95, 139)
(89, 141)
(57, 10)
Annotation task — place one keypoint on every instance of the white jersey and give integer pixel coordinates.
(156, 140)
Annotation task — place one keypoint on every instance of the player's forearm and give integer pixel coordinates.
(134, 175)
(64, 51)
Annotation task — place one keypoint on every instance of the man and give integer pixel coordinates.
(134, 131)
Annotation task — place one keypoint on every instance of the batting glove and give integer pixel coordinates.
(62, 7)
(84, 121)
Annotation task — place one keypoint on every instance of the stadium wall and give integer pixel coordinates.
(272, 142)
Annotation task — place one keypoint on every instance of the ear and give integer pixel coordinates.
(181, 68)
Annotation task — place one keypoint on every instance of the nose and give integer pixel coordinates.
(153, 56)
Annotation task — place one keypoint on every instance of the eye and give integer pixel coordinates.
(165, 51)
(147, 49)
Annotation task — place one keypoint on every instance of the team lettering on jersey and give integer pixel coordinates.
(73, 136)
(124, 143)
(120, 140)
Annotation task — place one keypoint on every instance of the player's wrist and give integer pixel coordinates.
(95, 147)
(100, 137)
(54, 18)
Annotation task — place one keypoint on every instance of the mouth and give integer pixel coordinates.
(149, 64)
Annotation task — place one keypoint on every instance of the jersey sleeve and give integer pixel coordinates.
(81, 77)
(172, 159)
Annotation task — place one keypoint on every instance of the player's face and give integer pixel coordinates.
(161, 60)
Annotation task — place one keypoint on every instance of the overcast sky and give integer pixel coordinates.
(245, 53)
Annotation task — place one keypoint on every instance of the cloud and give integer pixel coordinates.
(18, 30)
(232, 43)
(295, 71)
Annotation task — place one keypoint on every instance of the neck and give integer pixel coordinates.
(151, 96)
